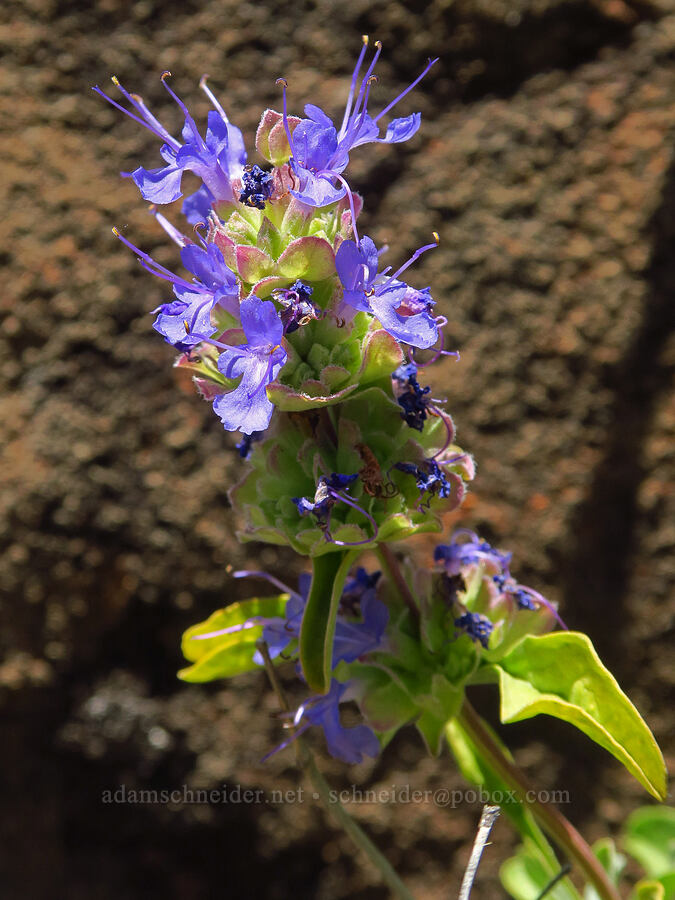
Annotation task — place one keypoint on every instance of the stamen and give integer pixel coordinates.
(547, 603)
(188, 118)
(407, 90)
(170, 229)
(357, 130)
(233, 629)
(153, 126)
(284, 85)
(352, 89)
(156, 268)
(218, 344)
(372, 521)
(416, 255)
(437, 353)
(209, 93)
(252, 573)
(364, 85)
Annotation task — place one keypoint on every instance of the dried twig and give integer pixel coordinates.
(487, 820)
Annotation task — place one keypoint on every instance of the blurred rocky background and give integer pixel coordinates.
(545, 162)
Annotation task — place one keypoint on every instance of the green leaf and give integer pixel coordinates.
(381, 352)
(311, 258)
(560, 674)
(526, 876)
(438, 707)
(384, 701)
(253, 264)
(649, 890)
(611, 861)
(649, 836)
(224, 655)
(318, 622)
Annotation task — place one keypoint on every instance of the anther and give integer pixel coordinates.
(364, 38)
(203, 80)
(282, 82)
(435, 236)
(187, 326)
(115, 80)
(115, 232)
(378, 44)
(165, 74)
(373, 79)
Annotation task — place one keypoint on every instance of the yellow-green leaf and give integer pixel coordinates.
(230, 647)
(649, 890)
(561, 675)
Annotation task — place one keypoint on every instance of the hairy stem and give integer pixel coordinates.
(562, 832)
(355, 832)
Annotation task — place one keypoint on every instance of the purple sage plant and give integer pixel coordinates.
(308, 347)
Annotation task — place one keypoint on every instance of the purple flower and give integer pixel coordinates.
(356, 588)
(257, 186)
(403, 311)
(279, 633)
(431, 480)
(258, 362)
(331, 489)
(245, 445)
(325, 496)
(320, 152)
(478, 627)
(347, 744)
(298, 307)
(186, 321)
(217, 159)
(354, 639)
(412, 397)
(466, 549)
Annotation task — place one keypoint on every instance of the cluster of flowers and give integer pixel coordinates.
(272, 234)
(471, 592)
(287, 306)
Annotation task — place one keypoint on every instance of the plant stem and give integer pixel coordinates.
(393, 570)
(551, 820)
(327, 797)
(355, 832)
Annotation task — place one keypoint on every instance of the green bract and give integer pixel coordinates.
(364, 434)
